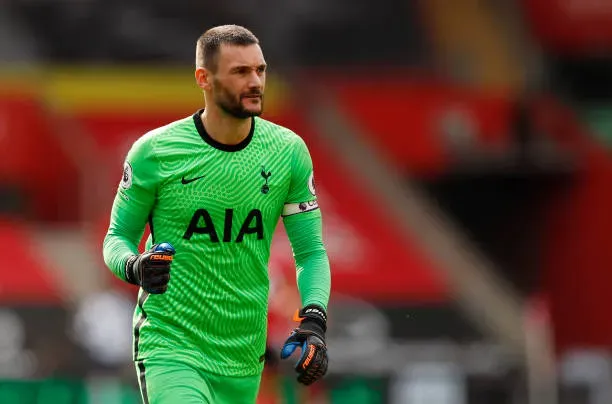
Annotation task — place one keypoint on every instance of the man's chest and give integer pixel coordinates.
(224, 184)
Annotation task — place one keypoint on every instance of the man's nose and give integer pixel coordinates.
(254, 80)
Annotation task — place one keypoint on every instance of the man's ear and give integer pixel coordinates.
(204, 78)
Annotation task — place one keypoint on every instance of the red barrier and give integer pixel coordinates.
(25, 276)
(418, 123)
(578, 253)
(33, 161)
(571, 26)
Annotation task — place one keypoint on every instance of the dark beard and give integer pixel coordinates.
(233, 105)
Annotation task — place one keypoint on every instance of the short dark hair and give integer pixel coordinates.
(209, 43)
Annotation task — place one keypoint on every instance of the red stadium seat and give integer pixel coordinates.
(26, 275)
(406, 119)
(35, 162)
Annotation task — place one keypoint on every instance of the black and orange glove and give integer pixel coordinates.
(151, 269)
(310, 337)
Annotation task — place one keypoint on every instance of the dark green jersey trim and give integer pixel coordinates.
(139, 323)
(143, 382)
(150, 220)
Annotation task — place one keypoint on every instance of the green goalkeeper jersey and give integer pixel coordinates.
(218, 205)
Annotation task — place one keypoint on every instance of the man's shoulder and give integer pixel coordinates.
(170, 128)
(164, 133)
(276, 132)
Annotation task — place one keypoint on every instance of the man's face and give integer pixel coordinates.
(239, 81)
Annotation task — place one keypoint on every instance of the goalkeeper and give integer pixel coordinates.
(212, 188)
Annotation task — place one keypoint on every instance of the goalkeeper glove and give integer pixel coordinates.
(151, 269)
(310, 337)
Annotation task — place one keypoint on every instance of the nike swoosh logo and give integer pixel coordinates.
(186, 181)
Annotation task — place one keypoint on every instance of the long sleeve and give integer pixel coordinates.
(303, 224)
(132, 206)
(311, 261)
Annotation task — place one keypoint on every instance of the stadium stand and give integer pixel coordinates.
(522, 171)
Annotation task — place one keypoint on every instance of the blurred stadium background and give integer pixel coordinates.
(463, 157)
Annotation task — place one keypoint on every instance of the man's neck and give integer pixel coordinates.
(223, 128)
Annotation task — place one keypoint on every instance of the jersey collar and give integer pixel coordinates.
(217, 145)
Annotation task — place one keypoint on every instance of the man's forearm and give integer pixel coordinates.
(313, 272)
(116, 251)
(313, 278)
(122, 238)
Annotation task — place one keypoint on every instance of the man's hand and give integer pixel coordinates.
(151, 269)
(310, 337)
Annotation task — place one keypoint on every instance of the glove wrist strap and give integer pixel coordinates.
(313, 317)
(130, 276)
